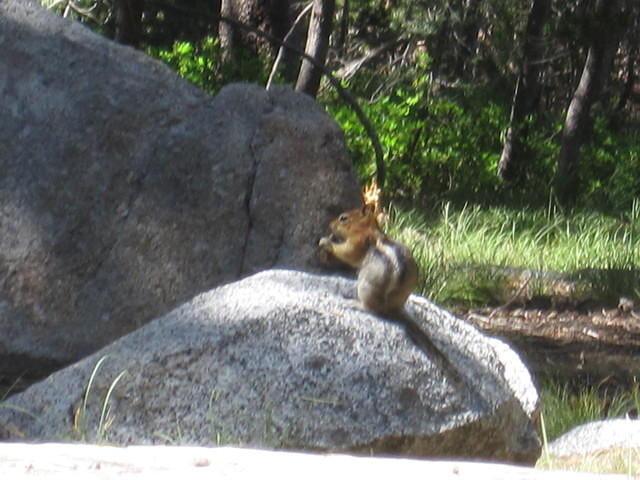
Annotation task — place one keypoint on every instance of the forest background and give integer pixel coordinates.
(505, 131)
(474, 101)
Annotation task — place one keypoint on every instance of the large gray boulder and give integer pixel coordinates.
(282, 359)
(124, 190)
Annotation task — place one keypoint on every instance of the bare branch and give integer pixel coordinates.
(351, 68)
(287, 37)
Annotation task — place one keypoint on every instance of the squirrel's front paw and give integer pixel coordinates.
(325, 242)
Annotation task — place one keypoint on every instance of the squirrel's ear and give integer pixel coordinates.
(368, 209)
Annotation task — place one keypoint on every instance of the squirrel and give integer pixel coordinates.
(387, 272)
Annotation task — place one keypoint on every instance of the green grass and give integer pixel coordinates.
(80, 426)
(461, 251)
(564, 407)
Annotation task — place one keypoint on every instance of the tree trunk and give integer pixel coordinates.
(467, 37)
(128, 20)
(630, 81)
(271, 16)
(597, 67)
(317, 46)
(295, 36)
(228, 33)
(343, 32)
(512, 161)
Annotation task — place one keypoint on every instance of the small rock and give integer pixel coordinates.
(595, 436)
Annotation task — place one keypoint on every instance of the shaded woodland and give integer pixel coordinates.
(471, 101)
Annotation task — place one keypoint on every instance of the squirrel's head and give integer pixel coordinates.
(359, 221)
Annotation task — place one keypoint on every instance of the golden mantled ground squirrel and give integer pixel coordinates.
(387, 272)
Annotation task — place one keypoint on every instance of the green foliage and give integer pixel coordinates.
(201, 63)
(445, 145)
(439, 94)
(611, 167)
(196, 63)
(437, 147)
(442, 128)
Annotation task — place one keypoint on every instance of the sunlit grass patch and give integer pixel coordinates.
(451, 247)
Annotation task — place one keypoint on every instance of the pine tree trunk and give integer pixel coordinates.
(343, 31)
(317, 46)
(512, 161)
(227, 33)
(596, 69)
(128, 20)
(271, 16)
(465, 49)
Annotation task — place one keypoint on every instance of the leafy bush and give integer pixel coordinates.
(201, 63)
(610, 168)
(443, 147)
(444, 143)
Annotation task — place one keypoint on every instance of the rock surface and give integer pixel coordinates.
(597, 436)
(281, 359)
(68, 462)
(126, 191)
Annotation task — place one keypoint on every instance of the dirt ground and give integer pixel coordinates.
(567, 340)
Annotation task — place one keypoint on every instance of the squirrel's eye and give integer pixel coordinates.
(343, 218)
